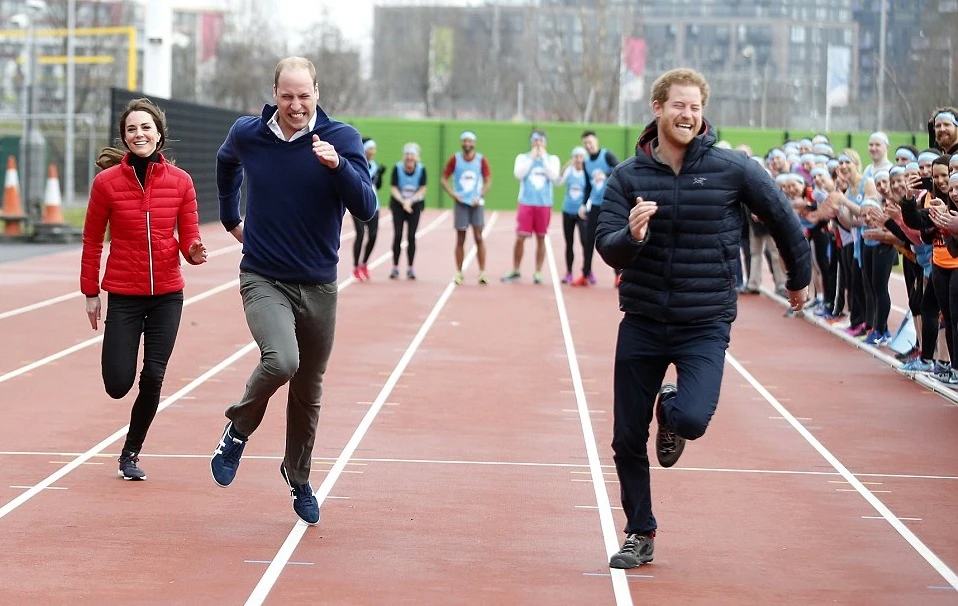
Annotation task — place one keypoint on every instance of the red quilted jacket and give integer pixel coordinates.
(144, 251)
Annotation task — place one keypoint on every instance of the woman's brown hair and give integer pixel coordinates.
(111, 156)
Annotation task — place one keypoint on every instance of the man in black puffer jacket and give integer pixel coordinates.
(671, 221)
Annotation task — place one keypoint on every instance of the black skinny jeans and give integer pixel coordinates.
(852, 275)
(400, 217)
(569, 224)
(877, 262)
(157, 319)
(929, 321)
(360, 258)
(946, 289)
(591, 222)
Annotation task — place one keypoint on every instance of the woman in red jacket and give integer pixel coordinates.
(147, 202)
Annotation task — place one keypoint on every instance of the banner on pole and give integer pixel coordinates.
(837, 76)
(632, 70)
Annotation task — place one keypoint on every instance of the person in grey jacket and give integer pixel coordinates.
(671, 222)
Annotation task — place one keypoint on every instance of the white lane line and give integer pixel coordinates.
(620, 584)
(269, 578)
(881, 518)
(872, 500)
(40, 305)
(80, 460)
(94, 340)
(365, 461)
(47, 488)
(75, 294)
(94, 451)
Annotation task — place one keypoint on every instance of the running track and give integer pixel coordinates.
(463, 456)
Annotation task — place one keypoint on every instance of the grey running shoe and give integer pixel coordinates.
(668, 445)
(637, 549)
(129, 470)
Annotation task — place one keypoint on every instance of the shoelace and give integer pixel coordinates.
(631, 543)
(133, 460)
(222, 444)
(302, 492)
(667, 441)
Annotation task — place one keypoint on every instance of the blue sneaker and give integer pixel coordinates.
(918, 365)
(226, 457)
(512, 276)
(304, 503)
(873, 338)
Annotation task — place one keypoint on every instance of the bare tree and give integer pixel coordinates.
(246, 58)
(929, 78)
(341, 87)
(579, 59)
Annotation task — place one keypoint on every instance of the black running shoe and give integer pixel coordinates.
(636, 550)
(668, 445)
(128, 466)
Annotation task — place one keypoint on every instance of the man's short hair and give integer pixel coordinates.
(588, 133)
(682, 76)
(293, 63)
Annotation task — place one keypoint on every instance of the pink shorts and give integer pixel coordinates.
(533, 220)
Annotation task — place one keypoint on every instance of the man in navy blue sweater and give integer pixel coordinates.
(303, 171)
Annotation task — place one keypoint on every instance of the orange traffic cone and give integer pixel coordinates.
(12, 216)
(52, 201)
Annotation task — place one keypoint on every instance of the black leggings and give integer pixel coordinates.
(569, 223)
(823, 247)
(856, 287)
(157, 318)
(914, 284)
(929, 321)
(591, 222)
(373, 226)
(400, 216)
(946, 289)
(877, 262)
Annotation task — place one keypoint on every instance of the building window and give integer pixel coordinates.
(798, 35)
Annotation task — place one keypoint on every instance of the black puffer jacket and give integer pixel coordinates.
(686, 268)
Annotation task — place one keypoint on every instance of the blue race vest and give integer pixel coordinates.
(574, 192)
(408, 184)
(467, 178)
(601, 162)
(536, 188)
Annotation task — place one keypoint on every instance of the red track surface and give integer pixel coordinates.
(471, 484)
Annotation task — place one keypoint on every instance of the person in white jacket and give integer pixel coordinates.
(537, 171)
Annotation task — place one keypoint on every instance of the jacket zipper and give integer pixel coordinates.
(149, 239)
(675, 216)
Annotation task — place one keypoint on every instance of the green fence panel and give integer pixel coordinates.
(759, 140)
(860, 143)
(501, 142)
(391, 135)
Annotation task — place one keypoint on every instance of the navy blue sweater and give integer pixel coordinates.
(295, 205)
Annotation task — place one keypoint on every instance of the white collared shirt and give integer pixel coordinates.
(273, 125)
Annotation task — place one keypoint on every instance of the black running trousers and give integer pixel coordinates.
(128, 317)
(644, 350)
